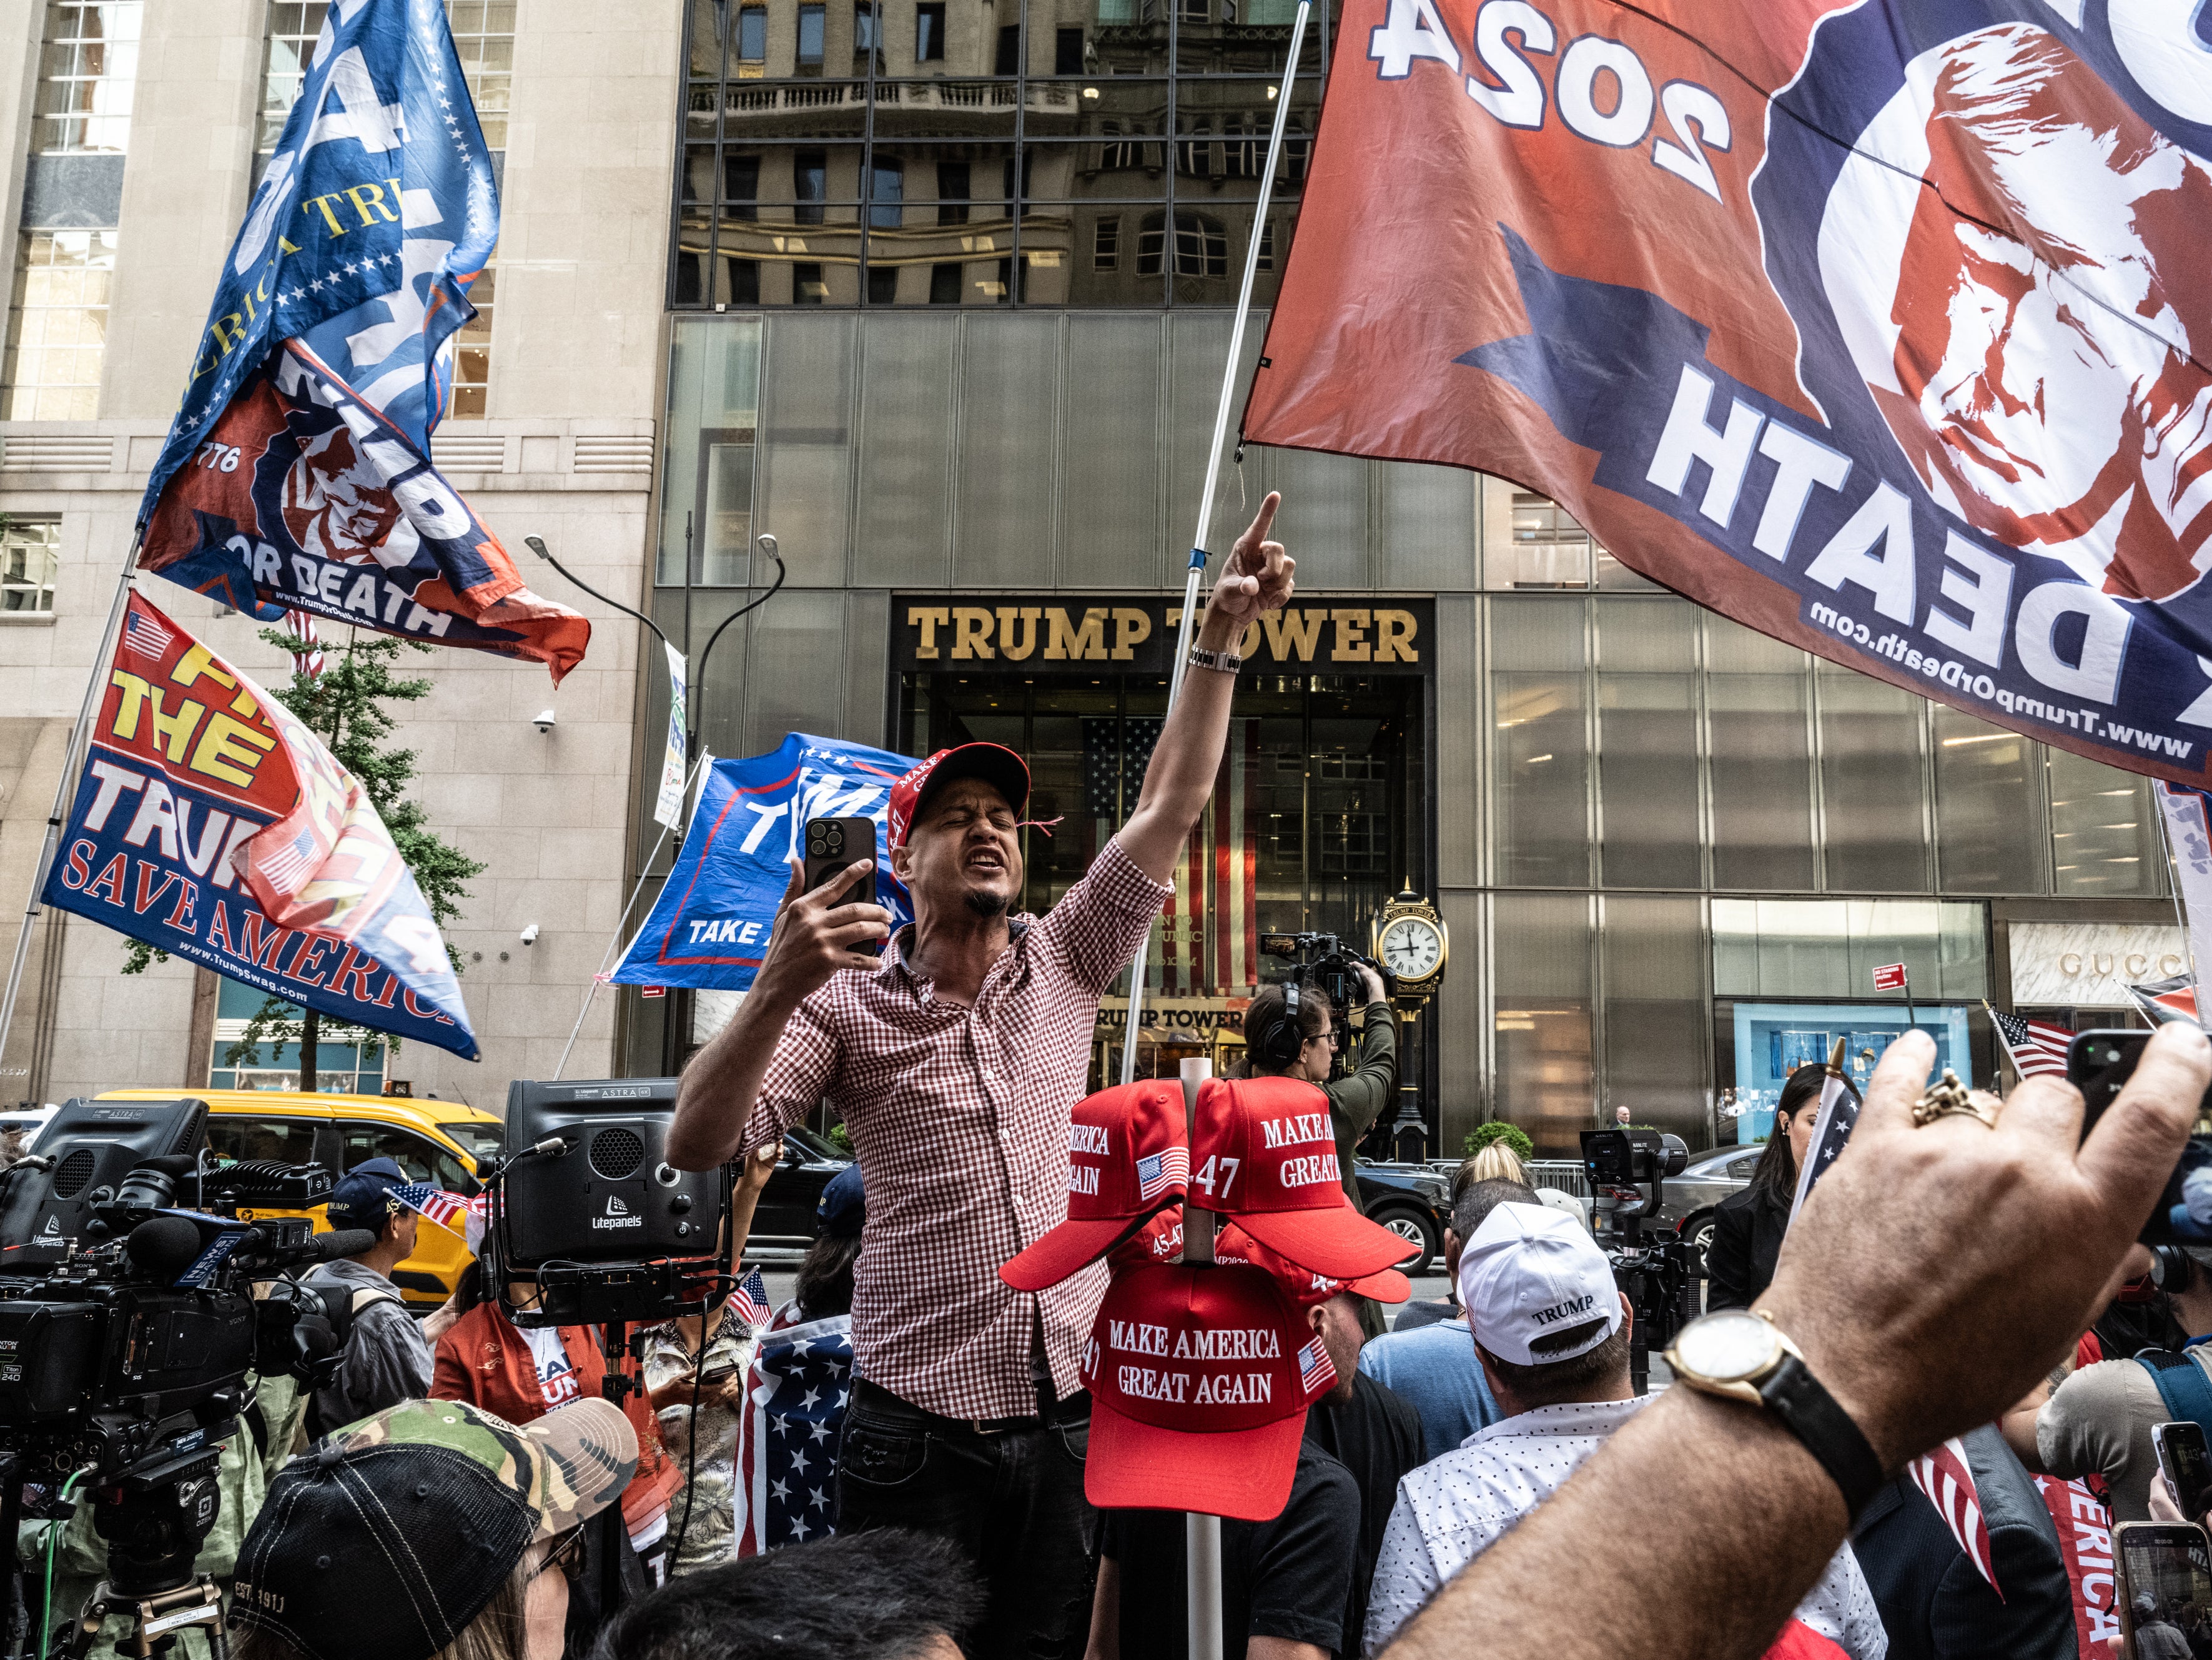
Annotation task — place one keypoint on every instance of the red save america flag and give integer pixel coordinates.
(1877, 326)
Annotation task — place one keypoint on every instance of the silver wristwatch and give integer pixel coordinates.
(1226, 662)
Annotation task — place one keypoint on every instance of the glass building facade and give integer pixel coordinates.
(945, 319)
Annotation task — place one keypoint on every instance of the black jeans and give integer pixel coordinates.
(1012, 1499)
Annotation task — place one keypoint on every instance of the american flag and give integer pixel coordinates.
(288, 866)
(786, 1457)
(1211, 943)
(1161, 1170)
(2036, 1047)
(428, 1199)
(1314, 1367)
(748, 1302)
(1832, 1134)
(302, 625)
(1948, 1481)
(144, 634)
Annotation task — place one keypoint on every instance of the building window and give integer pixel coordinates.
(807, 288)
(90, 60)
(886, 193)
(929, 34)
(810, 186)
(752, 42)
(1193, 11)
(483, 38)
(1106, 244)
(883, 285)
(944, 285)
(741, 186)
(472, 353)
(58, 326)
(952, 187)
(1067, 52)
(809, 40)
(744, 281)
(1201, 247)
(30, 552)
(1268, 245)
(866, 46)
(1195, 153)
(292, 27)
(1010, 50)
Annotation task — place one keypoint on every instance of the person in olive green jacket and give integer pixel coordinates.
(1355, 1100)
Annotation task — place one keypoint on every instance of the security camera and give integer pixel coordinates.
(530, 934)
(544, 721)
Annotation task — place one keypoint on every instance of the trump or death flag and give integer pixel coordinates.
(297, 473)
(1881, 327)
(712, 920)
(210, 824)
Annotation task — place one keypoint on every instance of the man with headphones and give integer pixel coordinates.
(1290, 1032)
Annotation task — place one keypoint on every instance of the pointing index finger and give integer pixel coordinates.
(1266, 519)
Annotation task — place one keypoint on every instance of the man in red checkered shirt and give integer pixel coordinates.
(954, 1058)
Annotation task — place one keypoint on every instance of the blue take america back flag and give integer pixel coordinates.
(786, 1458)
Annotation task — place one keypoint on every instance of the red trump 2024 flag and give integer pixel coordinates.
(1878, 327)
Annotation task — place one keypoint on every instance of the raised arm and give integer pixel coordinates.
(1255, 578)
(1935, 1274)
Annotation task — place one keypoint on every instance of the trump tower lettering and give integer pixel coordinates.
(296, 472)
(209, 823)
(1878, 327)
(710, 925)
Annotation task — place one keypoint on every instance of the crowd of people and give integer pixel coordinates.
(893, 1464)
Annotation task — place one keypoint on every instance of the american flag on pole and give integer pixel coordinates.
(427, 1199)
(1948, 1481)
(1211, 945)
(1159, 1171)
(786, 1457)
(748, 1302)
(144, 634)
(2036, 1047)
(1832, 1131)
(303, 627)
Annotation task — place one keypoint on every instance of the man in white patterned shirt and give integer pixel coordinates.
(954, 1059)
(1551, 1334)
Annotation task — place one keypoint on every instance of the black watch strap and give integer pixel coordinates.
(1792, 1394)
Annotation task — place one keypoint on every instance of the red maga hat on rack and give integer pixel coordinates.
(1160, 1240)
(1264, 1151)
(1199, 1379)
(1128, 1154)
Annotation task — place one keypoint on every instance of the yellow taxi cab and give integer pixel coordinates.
(434, 1141)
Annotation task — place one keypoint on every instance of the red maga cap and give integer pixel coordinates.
(1264, 1151)
(1303, 1285)
(996, 765)
(1128, 1154)
(1199, 1379)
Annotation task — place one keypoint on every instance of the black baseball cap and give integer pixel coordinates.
(388, 1540)
(843, 1206)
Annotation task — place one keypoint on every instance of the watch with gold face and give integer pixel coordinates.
(1742, 1356)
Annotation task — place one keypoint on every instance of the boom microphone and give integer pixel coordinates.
(342, 1242)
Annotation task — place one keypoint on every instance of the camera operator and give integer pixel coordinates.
(387, 1355)
(1278, 1043)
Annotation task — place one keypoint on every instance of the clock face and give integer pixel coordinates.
(1412, 948)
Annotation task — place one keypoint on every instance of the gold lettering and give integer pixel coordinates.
(134, 693)
(198, 661)
(1027, 615)
(227, 750)
(1351, 637)
(928, 619)
(376, 201)
(287, 244)
(1065, 641)
(1132, 628)
(1394, 637)
(173, 731)
(971, 632)
(324, 204)
(1296, 631)
(226, 342)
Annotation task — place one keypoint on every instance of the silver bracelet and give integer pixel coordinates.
(1224, 662)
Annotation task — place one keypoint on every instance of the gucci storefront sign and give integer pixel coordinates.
(2090, 964)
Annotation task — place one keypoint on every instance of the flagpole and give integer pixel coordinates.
(96, 683)
(1197, 568)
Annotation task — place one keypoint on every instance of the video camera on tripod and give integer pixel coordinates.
(129, 1319)
(1655, 1273)
(1325, 963)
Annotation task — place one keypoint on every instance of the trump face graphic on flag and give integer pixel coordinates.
(2028, 327)
(334, 504)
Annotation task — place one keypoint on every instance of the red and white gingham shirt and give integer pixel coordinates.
(960, 1119)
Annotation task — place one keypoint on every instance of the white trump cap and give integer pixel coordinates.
(1531, 1271)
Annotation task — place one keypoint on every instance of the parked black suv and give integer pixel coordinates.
(785, 1219)
(1413, 1202)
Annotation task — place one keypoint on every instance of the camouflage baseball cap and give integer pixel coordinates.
(386, 1540)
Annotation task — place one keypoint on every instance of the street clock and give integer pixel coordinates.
(1410, 943)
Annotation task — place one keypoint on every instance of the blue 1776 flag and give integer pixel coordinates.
(789, 1430)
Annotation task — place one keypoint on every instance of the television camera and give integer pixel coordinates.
(1325, 963)
(1655, 1272)
(134, 1302)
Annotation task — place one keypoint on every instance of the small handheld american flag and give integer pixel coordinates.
(428, 1199)
(1947, 1479)
(2036, 1047)
(748, 1302)
(1156, 1172)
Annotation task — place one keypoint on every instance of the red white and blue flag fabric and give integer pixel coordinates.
(786, 1457)
(296, 474)
(1946, 1477)
(1880, 327)
(748, 1302)
(1157, 1172)
(2036, 1047)
(710, 925)
(427, 1199)
(1832, 1133)
(211, 824)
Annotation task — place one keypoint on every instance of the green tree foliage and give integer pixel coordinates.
(1497, 1129)
(346, 705)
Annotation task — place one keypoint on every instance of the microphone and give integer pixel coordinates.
(163, 1247)
(340, 1242)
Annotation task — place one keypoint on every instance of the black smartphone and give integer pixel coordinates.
(2165, 1586)
(2098, 1063)
(834, 843)
(2184, 1462)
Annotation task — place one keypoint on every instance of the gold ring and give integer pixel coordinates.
(1949, 1098)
